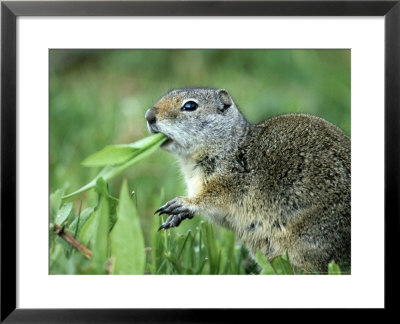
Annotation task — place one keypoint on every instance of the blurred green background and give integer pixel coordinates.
(99, 97)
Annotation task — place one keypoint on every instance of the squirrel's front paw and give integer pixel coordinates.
(177, 212)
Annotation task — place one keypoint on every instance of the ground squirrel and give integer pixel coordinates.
(281, 184)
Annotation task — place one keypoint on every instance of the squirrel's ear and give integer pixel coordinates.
(225, 98)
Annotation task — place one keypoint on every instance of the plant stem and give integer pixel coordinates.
(66, 236)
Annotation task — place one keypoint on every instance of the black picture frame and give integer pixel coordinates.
(10, 10)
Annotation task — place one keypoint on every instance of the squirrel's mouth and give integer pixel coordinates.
(167, 142)
(154, 130)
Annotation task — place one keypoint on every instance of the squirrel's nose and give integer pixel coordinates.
(150, 116)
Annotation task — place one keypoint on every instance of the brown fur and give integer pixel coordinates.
(280, 184)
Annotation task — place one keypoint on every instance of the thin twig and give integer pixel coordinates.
(66, 236)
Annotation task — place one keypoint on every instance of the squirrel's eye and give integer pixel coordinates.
(189, 106)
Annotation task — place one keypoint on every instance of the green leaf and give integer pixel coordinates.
(211, 246)
(266, 266)
(117, 154)
(157, 251)
(100, 239)
(111, 171)
(112, 154)
(175, 263)
(184, 243)
(102, 189)
(333, 268)
(55, 203)
(188, 253)
(227, 244)
(126, 238)
(58, 260)
(89, 228)
(148, 141)
(282, 265)
(240, 257)
(63, 213)
(81, 220)
(201, 259)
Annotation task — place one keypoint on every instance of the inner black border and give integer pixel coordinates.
(10, 10)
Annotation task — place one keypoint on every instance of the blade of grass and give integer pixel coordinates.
(267, 268)
(79, 222)
(211, 247)
(200, 257)
(175, 263)
(126, 238)
(158, 248)
(239, 260)
(163, 263)
(188, 253)
(88, 229)
(78, 219)
(184, 243)
(333, 268)
(228, 252)
(100, 241)
(281, 265)
(111, 171)
(101, 188)
(202, 264)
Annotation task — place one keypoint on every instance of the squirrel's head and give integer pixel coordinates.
(195, 119)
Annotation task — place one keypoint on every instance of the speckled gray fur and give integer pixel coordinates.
(282, 183)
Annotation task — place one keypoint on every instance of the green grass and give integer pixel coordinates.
(99, 98)
(113, 232)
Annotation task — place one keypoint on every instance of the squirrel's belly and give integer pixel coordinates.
(193, 179)
(255, 231)
(193, 185)
(218, 217)
(260, 231)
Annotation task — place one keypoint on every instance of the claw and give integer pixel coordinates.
(159, 209)
(177, 213)
(166, 224)
(174, 220)
(169, 206)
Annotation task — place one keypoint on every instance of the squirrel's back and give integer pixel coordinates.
(298, 172)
